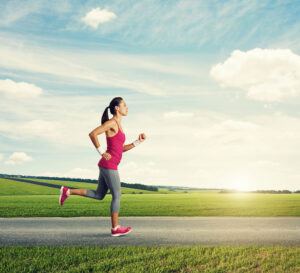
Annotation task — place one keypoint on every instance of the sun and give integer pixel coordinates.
(240, 183)
(241, 186)
(240, 179)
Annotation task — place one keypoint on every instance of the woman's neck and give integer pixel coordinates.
(118, 119)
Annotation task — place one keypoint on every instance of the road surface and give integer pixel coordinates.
(151, 231)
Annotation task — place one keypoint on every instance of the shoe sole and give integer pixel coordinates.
(120, 234)
(61, 192)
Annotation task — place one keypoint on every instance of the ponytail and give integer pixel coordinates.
(115, 102)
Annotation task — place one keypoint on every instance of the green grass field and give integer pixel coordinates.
(150, 259)
(19, 199)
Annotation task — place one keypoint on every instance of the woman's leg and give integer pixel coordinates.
(101, 189)
(97, 194)
(81, 192)
(114, 219)
(113, 181)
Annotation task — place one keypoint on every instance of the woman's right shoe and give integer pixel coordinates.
(120, 231)
(63, 195)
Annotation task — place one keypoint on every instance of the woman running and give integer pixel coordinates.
(108, 164)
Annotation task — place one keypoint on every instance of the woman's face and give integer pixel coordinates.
(123, 109)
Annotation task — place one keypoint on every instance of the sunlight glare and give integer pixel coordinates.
(240, 183)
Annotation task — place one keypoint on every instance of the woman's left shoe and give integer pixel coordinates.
(120, 231)
(63, 195)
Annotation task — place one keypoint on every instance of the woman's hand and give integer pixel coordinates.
(142, 137)
(106, 155)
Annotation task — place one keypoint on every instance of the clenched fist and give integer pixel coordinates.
(106, 155)
(142, 137)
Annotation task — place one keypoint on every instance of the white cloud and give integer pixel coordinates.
(64, 126)
(19, 90)
(205, 150)
(227, 131)
(1, 157)
(141, 73)
(267, 163)
(41, 128)
(265, 74)
(176, 24)
(36, 129)
(296, 176)
(178, 115)
(237, 125)
(80, 172)
(130, 172)
(18, 158)
(97, 16)
(148, 173)
(73, 173)
(12, 11)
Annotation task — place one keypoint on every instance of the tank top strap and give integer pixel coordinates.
(117, 123)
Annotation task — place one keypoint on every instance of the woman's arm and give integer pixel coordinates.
(128, 147)
(100, 130)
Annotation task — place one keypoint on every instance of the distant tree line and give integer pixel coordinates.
(143, 187)
(83, 180)
(139, 186)
(259, 191)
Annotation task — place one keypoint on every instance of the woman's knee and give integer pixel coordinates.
(101, 197)
(116, 196)
(95, 194)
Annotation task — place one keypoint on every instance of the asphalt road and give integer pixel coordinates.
(151, 231)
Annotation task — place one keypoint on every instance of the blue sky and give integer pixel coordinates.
(214, 85)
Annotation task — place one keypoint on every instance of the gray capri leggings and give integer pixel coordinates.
(108, 179)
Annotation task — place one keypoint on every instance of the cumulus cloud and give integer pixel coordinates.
(97, 16)
(19, 90)
(18, 158)
(265, 74)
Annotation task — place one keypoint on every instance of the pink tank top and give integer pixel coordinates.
(115, 149)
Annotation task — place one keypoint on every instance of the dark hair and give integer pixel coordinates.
(114, 102)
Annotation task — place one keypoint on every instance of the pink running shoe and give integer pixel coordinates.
(63, 195)
(120, 231)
